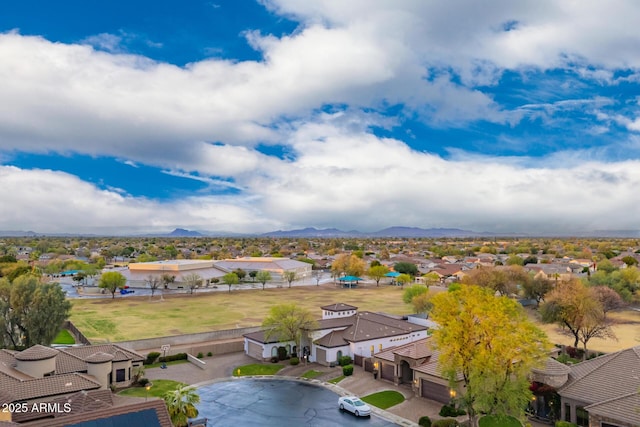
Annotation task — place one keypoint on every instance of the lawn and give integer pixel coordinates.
(122, 319)
(64, 337)
(336, 380)
(384, 399)
(158, 389)
(257, 369)
(311, 374)
(497, 421)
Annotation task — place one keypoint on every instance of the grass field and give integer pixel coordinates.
(130, 318)
(257, 369)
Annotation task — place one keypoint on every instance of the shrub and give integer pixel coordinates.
(179, 356)
(565, 424)
(347, 370)
(143, 382)
(209, 354)
(344, 360)
(445, 422)
(571, 351)
(275, 359)
(294, 361)
(200, 355)
(451, 411)
(424, 421)
(151, 357)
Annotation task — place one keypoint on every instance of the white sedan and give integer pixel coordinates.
(354, 405)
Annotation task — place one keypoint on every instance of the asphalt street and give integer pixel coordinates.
(275, 403)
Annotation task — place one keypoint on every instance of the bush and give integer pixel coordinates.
(424, 421)
(151, 357)
(179, 356)
(275, 359)
(347, 370)
(445, 422)
(451, 411)
(209, 354)
(200, 355)
(143, 382)
(294, 361)
(344, 360)
(565, 424)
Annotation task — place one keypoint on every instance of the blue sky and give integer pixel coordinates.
(250, 116)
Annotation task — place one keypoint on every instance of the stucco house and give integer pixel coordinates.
(342, 331)
(604, 391)
(80, 377)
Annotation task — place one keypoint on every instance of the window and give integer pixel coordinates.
(274, 351)
(582, 417)
(120, 375)
(567, 412)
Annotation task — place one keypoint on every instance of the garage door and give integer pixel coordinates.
(387, 372)
(255, 350)
(434, 391)
(321, 356)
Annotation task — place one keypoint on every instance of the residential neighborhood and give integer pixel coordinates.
(393, 348)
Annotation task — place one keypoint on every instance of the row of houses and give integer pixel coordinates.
(603, 392)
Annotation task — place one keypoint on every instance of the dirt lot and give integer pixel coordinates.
(626, 328)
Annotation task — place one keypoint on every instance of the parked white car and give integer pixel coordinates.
(354, 405)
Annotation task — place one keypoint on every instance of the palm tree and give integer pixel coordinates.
(181, 404)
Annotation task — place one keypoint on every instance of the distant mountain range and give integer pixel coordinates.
(311, 232)
(387, 232)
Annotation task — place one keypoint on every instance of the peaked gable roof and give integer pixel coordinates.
(605, 377)
(369, 326)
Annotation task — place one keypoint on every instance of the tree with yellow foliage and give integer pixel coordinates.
(489, 342)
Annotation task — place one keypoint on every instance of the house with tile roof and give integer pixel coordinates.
(604, 391)
(73, 386)
(40, 373)
(342, 331)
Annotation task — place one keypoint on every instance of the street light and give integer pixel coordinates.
(147, 388)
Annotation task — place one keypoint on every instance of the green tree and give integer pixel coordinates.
(514, 260)
(288, 322)
(629, 260)
(240, 273)
(413, 291)
(492, 345)
(230, 279)
(263, 277)
(290, 276)
(181, 404)
(377, 272)
(536, 288)
(403, 279)
(31, 312)
(406, 268)
(112, 281)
